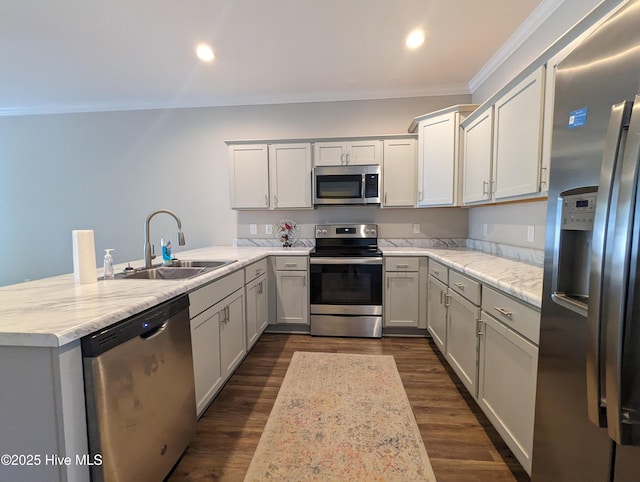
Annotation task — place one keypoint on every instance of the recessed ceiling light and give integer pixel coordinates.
(205, 53)
(415, 39)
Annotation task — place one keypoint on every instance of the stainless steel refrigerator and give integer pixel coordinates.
(587, 424)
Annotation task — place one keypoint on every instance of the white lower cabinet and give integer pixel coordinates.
(217, 313)
(507, 385)
(402, 292)
(292, 289)
(437, 312)
(462, 339)
(256, 298)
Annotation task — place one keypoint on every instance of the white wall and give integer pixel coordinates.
(107, 171)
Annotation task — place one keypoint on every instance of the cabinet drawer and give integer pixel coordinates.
(439, 271)
(397, 263)
(202, 298)
(254, 270)
(465, 286)
(521, 318)
(291, 263)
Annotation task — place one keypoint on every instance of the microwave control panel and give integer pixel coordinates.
(578, 211)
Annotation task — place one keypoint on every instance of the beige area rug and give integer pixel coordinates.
(341, 417)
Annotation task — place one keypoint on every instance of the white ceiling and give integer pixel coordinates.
(85, 55)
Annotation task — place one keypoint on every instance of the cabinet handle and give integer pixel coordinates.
(480, 326)
(402, 265)
(290, 265)
(543, 175)
(385, 197)
(459, 285)
(346, 156)
(492, 185)
(275, 200)
(435, 271)
(226, 319)
(485, 188)
(504, 312)
(441, 295)
(266, 200)
(447, 300)
(419, 195)
(304, 281)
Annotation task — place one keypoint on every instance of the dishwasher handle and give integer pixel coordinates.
(144, 324)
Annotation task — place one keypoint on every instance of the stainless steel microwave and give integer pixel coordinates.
(358, 184)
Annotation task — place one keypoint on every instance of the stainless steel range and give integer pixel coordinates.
(346, 281)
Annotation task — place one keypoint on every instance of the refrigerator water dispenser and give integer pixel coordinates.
(574, 232)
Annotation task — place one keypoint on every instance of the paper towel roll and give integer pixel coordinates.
(84, 256)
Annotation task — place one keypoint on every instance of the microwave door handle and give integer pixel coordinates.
(614, 141)
(616, 279)
(364, 187)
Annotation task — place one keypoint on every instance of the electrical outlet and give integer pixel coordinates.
(268, 229)
(485, 230)
(253, 229)
(416, 228)
(531, 234)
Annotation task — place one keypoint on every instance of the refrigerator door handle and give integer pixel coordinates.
(616, 281)
(614, 143)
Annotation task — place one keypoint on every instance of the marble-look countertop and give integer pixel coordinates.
(520, 280)
(56, 311)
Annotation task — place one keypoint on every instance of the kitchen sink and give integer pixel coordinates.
(164, 272)
(179, 269)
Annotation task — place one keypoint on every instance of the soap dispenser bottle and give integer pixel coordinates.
(108, 264)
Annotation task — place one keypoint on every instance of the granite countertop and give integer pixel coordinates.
(520, 280)
(55, 311)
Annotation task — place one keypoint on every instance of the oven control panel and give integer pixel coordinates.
(347, 231)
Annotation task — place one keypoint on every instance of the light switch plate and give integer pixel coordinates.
(253, 229)
(416, 228)
(531, 234)
(268, 229)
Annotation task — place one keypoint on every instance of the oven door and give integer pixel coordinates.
(349, 286)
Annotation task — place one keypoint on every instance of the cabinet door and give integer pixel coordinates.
(436, 160)
(249, 173)
(477, 144)
(517, 145)
(292, 304)
(507, 386)
(399, 172)
(290, 175)
(257, 313)
(205, 346)
(232, 333)
(364, 152)
(462, 340)
(437, 312)
(329, 153)
(401, 299)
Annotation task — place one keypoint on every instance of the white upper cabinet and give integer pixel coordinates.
(347, 153)
(249, 176)
(276, 176)
(438, 154)
(290, 175)
(503, 145)
(477, 144)
(517, 135)
(399, 172)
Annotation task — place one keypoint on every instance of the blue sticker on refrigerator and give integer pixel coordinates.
(577, 118)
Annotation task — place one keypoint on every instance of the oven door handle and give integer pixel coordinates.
(364, 260)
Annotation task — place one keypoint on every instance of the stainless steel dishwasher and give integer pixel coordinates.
(140, 395)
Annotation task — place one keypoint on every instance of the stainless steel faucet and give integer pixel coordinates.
(148, 255)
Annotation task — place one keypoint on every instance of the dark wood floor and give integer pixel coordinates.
(460, 441)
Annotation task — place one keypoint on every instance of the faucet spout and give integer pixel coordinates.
(148, 255)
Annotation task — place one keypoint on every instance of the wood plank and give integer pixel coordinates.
(461, 442)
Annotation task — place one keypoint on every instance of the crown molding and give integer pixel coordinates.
(526, 29)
